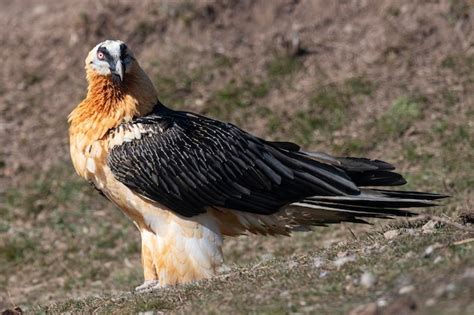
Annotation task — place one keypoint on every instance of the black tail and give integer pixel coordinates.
(371, 203)
(377, 203)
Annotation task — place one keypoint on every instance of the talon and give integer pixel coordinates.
(148, 286)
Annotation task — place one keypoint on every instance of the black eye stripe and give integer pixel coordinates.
(123, 50)
(106, 53)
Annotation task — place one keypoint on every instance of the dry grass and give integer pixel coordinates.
(307, 282)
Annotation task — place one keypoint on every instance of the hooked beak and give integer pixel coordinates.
(117, 70)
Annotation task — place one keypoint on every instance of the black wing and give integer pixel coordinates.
(189, 162)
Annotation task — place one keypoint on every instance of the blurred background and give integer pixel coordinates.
(389, 79)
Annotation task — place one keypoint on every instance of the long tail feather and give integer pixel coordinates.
(354, 205)
(371, 203)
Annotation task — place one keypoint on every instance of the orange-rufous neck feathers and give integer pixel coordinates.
(108, 104)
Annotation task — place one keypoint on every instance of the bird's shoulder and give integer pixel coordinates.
(166, 126)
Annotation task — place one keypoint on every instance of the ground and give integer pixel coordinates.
(384, 79)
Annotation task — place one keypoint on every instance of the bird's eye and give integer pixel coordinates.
(100, 55)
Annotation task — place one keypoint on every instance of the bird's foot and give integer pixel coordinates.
(148, 286)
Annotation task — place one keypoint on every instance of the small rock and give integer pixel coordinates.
(430, 302)
(438, 259)
(367, 279)
(406, 289)
(430, 227)
(267, 257)
(391, 234)
(381, 302)
(412, 232)
(365, 309)
(323, 274)
(349, 287)
(341, 261)
(342, 254)
(451, 287)
(199, 102)
(318, 262)
(430, 249)
(410, 254)
(224, 269)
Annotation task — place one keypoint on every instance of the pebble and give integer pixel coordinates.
(381, 302)
(267, 257)
(430, 302)
(410, 254)
(391, 234)
(429, 227)
(412, 232)
(367, 279)
(224, 269)
(318, 262)
(438, 259)
(341, 261)
(430, 249)
(406, 289)
(199, 102)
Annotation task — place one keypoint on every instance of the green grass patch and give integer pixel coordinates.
(223, 61)
(234, 98)
(326, 113)
(177, 85)
(281, 66)
(460, 63)
(450, 98)
(358, 86)
(351, 146)
(459, 9)
(16, 248)
(173, 89)
(402, 115)
(56, 187)
(328, 109)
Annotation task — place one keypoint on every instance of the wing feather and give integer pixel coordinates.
(190, 163)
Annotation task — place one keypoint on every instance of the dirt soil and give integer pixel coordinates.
(388, 79)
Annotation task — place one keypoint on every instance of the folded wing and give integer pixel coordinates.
(189, 163)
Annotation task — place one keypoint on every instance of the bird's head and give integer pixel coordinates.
(118, 89)
(111, 59)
